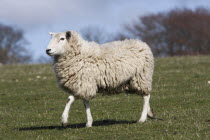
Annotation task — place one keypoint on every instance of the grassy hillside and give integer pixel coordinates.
(31, 105)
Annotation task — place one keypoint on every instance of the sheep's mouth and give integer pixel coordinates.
(50, 54)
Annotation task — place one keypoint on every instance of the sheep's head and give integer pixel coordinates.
(59, 43)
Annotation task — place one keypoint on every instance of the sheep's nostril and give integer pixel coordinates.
(48, 50)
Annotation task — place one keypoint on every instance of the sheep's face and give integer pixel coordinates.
(58, 44)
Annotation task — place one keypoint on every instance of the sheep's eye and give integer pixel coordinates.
(62, 39)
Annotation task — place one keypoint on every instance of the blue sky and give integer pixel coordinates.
(38, 17)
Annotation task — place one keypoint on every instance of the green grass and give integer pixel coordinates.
(31, 105)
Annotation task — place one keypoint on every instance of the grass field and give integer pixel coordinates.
(31, 105)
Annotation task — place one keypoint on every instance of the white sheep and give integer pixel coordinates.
(84, 68)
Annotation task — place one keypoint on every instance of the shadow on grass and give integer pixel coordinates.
(79, 125)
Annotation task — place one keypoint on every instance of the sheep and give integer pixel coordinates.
(84, 68)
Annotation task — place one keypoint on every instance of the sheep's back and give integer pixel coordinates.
(121, 60)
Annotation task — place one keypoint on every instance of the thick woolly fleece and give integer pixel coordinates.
(87, 67)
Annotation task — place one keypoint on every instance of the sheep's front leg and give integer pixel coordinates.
(65, 115)
(146, 108)
(88, 113)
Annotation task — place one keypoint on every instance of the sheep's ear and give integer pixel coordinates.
(51, 33)
(68, 35)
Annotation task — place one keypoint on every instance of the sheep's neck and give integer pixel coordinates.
(63, 58)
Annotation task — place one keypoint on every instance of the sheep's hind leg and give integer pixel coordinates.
(65, 115)
(150, 113)
(88, 113)
(146, 108)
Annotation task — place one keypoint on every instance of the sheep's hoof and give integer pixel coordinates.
(88, 125)
(151, 117)
(141, 121)
(64, 124)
